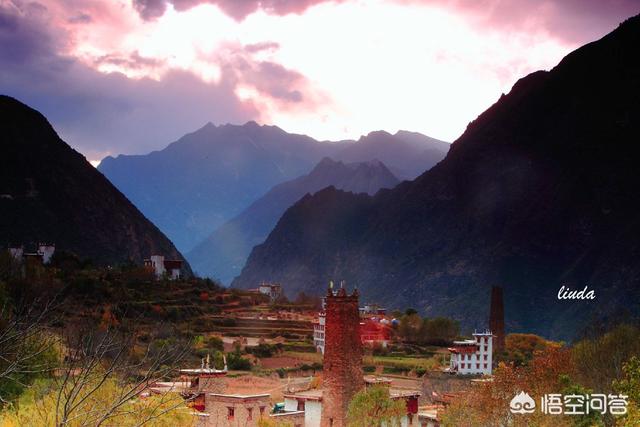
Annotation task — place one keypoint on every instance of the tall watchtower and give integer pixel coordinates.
(496, 318)
(342, 372)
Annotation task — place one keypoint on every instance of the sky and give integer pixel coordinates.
(131, 76)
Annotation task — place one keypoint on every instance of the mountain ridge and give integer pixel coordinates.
(223, 253)
(540, 191)
(208, 176)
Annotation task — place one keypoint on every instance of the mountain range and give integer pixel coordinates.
(50, 193)
(207, 177)
(541, 191)
(223, 254)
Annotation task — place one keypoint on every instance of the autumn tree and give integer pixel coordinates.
(373, 407)
(630, 385)
(599, 361)
(104, 380)
(521, 348)
(487, 403)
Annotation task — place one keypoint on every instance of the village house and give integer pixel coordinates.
(169, 268)
(30, 261)
(310, 402)
(42, 251)
(472, 357)
(272, 290)
(204, 388)
(324, 407)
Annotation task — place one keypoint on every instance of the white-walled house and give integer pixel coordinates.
(310, 402)
(160, 266)
(318, 332)
(474, 356)
(46, 250)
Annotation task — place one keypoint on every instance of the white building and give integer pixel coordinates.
(16, 253)
(272, 290)
(472, 357)
(46, 250)
(161, 267)
(43, 250)
(310, 402)
(318, 332)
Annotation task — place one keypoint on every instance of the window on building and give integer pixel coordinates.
(477, 366)
(485, 366)
(230, 413)
(249, 414)
(300, 405)
(485, 357)
(261, 410)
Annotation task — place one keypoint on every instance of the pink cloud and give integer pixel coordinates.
(237, 9)
(104, 113)
(573, 21)
(570, 20)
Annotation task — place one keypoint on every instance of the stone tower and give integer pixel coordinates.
(496, 318)
(342, 372)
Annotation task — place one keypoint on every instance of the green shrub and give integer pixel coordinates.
(215, 343)
(236, 362)
(261, 350)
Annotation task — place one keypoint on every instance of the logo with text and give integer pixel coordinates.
(571, 404)
(522, 403)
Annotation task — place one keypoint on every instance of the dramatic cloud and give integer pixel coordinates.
(103, 113)
(576, 21)
(571, 20)
(237, 9)
(133, 75)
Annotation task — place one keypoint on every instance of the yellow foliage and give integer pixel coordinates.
(41, 405)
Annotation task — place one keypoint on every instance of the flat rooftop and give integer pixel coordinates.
(396, 393)
(314, 394)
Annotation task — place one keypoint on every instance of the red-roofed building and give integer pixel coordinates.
(373, 332)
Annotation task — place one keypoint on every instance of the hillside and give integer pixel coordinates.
(208, 177)
(50, 193)
(540, 191)
(223, 254)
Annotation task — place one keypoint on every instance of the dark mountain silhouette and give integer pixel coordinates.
(541, 190)
(50, 193)
(223, 254)
(209, 176)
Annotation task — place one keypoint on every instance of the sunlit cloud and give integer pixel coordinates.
(330, 69)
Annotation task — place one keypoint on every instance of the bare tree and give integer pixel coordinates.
(98, 359)
(23, 341)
